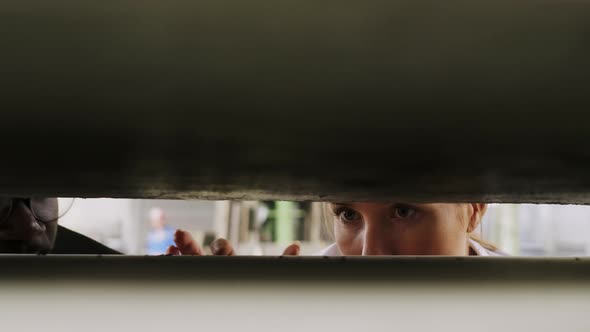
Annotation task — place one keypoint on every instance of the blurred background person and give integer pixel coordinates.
(161, 235)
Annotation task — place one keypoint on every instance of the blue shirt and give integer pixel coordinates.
(159, 240)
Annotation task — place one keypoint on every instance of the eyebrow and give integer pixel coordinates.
(338, 203)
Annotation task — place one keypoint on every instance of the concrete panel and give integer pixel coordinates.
(313, 100)
(294, 293)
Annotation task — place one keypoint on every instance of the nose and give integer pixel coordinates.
(376, 241)
(22, 224)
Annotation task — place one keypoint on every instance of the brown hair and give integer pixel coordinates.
(482, 242)
(479, 238)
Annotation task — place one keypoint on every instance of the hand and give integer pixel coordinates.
(186, 245)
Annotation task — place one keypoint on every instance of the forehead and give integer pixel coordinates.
(372, 206)
(360, 205)
(46, 207)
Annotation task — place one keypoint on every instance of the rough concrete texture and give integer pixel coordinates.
(410, 100)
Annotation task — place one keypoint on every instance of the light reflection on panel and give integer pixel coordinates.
(235, 306)
(122, 293)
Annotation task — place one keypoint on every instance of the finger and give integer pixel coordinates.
(186, 244)
(172, 250)
(222, 247)
(293, 250)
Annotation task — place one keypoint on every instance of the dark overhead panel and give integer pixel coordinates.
(308, 100)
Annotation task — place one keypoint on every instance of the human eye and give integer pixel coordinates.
(403, 211)
(347, 215)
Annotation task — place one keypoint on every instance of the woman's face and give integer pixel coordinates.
(404, 229)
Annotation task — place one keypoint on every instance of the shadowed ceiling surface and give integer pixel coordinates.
(305, 100)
